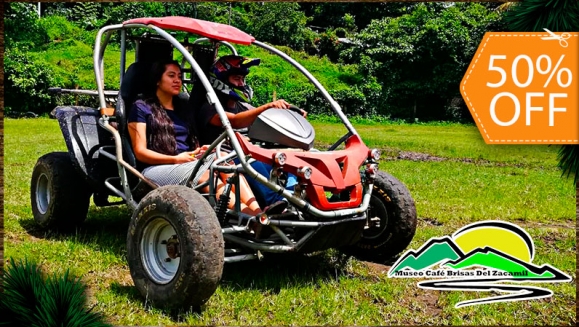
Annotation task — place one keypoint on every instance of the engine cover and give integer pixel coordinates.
(283, 127)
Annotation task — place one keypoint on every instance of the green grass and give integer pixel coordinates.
(520, 184)
(449, 141)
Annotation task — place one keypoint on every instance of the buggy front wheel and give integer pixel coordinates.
(175, 248)
(391, 222)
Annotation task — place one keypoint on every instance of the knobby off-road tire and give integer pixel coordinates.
(391, 221)
(59, 196)
(175, 248)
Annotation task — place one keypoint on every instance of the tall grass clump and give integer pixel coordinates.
(30, 299)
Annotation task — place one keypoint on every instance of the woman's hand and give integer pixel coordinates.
(184, 157)
(200, 150)
(190, 155)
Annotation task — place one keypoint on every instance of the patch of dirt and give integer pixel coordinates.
(390, 154)
(430, 300)
(549, 240)
(424, 301)
(416, 156)
(99, 278)
(430, 221)
(18, 238)
(376, 268)
(569, 224)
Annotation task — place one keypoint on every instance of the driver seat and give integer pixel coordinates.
(205, 56)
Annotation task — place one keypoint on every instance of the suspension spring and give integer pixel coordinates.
(221, 207)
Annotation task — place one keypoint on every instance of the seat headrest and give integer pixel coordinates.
(135, 81)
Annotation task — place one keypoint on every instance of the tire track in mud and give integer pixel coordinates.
(419, 156)
(434, 223)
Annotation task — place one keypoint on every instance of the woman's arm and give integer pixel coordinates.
(138, 133)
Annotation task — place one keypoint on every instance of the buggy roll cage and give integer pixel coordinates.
(217, 33)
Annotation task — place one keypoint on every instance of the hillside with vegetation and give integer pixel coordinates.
(393, 60)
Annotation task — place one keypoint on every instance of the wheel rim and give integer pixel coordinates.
(375, 225)
(160, 251)
(42, 193)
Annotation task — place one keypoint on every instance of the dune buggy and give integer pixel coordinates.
(179, 238)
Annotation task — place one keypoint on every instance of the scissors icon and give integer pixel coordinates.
(562, 38)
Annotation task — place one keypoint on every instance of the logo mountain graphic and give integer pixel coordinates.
(444, 252)
(493, 259)
(431, 253)
(496, 252)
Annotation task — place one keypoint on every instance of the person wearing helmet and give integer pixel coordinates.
(227, 77)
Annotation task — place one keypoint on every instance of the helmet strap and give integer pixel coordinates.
(241, 94)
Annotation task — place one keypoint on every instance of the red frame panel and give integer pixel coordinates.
(326, 172)
(216, 31)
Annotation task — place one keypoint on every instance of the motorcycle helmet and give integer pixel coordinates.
(229, 65)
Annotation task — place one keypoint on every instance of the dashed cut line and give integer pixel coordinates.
(464, 87)
(537, 141)
(474, 110)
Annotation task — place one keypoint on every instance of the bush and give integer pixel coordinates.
(26, 84)
(21, 25)
(57, 28)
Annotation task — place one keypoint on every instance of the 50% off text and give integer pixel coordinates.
(522, 72)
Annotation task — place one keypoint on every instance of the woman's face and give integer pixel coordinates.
(170, 82)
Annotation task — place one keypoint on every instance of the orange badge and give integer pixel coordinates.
(522, 88)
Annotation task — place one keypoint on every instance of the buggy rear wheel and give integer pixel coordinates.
(59, 196)
(175, 248)
(391, 221)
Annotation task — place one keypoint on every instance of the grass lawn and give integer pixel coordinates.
(453, 176)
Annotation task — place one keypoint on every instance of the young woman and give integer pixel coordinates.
(165, 142)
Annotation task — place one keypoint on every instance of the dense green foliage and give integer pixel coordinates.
(26, 83)
(397, 60)
(416, 55)
(21, 25)
(280, 23)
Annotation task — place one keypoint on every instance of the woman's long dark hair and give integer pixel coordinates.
(162, 135)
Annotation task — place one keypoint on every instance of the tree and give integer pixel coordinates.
(331, 14)
(421, 57)
(21, 25)
(280, 23)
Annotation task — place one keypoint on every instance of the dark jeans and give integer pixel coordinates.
(262, 193)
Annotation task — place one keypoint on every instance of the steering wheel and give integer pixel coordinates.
(296, 109)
